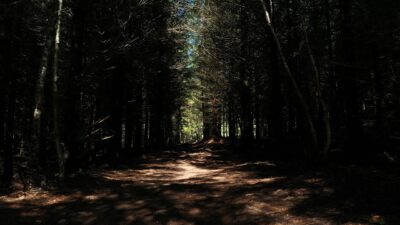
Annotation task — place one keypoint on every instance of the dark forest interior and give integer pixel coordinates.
(200, 112)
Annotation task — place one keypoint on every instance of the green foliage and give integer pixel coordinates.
(185, 27)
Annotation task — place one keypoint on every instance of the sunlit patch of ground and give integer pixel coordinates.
(199, 187)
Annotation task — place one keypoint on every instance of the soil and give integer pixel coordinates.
(206, 186)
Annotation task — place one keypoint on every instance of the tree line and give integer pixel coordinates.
(91, 82)
(321, 73)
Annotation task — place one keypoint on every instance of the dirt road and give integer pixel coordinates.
(194, 187)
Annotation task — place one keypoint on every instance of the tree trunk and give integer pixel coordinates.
(55, 82)
(10, 127)
(129, 125)
(33, 156)
(138, 141)
(324, 110)
(348, 78)
(332, 73)
(309, 153)
(275, 118)
(231, 122)
(158, 81)
(2, 131)
(9, 91)
(245, 94)
(73, 121)
(380, 94)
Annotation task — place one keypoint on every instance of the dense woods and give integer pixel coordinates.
(93, 82)
(199, 112)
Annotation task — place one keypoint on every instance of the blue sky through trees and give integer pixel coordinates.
(188, 14)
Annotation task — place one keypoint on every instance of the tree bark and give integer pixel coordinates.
(332, 72)
(245, 94)
(324, 109)
(129, 125)
(2, 131)
(73, 105)
(138, 141)
(33, 156)
(9, 92)
(349, 78)
(309, 153)
(275, 120)
(55, 83)
(231, 122)
(10, 130)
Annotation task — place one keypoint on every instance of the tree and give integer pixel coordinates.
(311, 151)
(55, 82)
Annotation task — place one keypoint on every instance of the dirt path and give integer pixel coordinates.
(194, 187)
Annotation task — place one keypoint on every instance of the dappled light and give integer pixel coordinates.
(192, 112)
(203, 186)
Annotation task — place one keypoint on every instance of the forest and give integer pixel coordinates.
(200, 112)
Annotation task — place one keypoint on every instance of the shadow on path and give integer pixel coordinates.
(200, 187)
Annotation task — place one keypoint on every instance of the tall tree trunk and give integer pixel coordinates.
(159, 76)
(55, 81)
(2, 131)
(324, 109)
(129, 125)
(115, 146)
(34, 154)
(231, 122)
(138, 141)
(245, 94)
(10, 127)
(332, 71)
(275, 118)
(294, 123)
(146, 130)
(73, 121)
(380, 94)
(349, 79)
(9, 91)
(310, 152)
(206, 121)
(257, 118)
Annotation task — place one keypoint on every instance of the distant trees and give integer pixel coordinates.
(84, 82)
(307, 78)
(100, 89)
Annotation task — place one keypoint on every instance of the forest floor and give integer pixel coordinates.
(211, 186)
